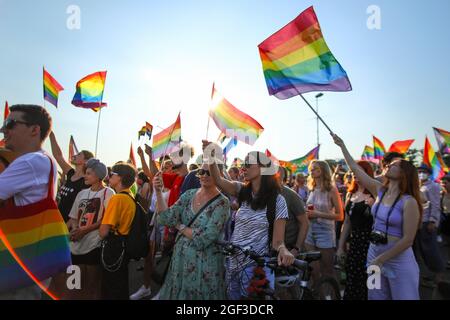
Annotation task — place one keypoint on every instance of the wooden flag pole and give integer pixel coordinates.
(317, 114)
(98, 127)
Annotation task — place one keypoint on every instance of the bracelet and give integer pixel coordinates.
(181, 227)
(281, 246)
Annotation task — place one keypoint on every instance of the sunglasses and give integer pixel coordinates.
(202, 172)
(113, 174)
(11, 123)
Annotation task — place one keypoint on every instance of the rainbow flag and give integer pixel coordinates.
(378, 148)
(167, 140)
(6, 113)
(89, 92)
(230, 145)
(51, 89)
(303, 162)
(146, 130)
(434, 161)
(296, 60)
(443, 140)
(73, 150)
(368, 154)
(232, 122)
(401, 146)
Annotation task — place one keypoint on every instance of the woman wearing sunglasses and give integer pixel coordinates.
(196, 271)
(260, 220)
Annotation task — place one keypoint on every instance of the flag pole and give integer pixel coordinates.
(209, 109)
(316, 113)
(98, 127)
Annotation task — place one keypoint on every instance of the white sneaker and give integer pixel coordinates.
(439, 239)
(141, 293)
(156, 297)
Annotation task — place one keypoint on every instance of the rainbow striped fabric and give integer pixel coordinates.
(434, 161)
(167, 140)
(401, 146)
(368, 154)
(232, 122)
(296, 60)
(73, 150)
(301, 164)
(51, 89)
(379, 149)
(146, 131)
(89, 92)
(443, 140)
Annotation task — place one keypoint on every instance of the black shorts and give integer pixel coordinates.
(91, 258)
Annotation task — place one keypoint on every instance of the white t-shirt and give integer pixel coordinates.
(88, 209)
(26, 179)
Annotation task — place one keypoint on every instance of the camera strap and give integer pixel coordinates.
(389, 212)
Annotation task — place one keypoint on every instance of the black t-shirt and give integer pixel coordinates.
(296, 207)
(68, 193)
(360, 216)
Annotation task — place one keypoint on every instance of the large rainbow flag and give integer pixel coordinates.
(302, 163)
(368, 154)
(401, 146)
(296, 60)
(379, 149)
(167, 140)
(51, 89)
(434, 161)
(232, 122)
(89, 92)
(443, 140)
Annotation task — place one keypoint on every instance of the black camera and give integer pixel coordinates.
(378, 237)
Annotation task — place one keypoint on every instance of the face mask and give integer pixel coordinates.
(423, 176)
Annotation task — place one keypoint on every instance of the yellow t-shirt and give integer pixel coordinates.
(120, 212)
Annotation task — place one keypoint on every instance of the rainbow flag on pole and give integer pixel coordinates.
(232, 122)
(379, 149)
(296, 60)
(434, 161)
(401, 146)
(146, 131)
(368, 154)
(303, 162)
(51, 89)
(167, 140)
(73, 150)
(443, 140)
(89, 92)
(131, 158)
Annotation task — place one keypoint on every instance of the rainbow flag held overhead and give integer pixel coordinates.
(433, 160)
(89, 92)
(401, 146)
(51, 89)
(379, 149)
(443, 140)
(167, 140)
(73, 150)
(146, 131)
(296, 60)
(230, 145)
(303, 162)
(6, 112)
(232, 122)
(368, 154)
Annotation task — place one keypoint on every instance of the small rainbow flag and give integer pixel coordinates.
(296, 60)
(51, 89)
(379, 149)
(434, 161)
(73, 150)
(368, 154)
(401, 146)
(6, 113)
(167, 140)
(443, 140)
(146, 130)
(303, 162)
(89, 92)
(232, 122)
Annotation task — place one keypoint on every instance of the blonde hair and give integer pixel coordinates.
(326, 182)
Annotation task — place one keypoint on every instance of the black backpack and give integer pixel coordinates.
(137, 243)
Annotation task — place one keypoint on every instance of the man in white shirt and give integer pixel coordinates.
(26, 179)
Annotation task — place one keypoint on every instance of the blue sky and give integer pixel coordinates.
(162, 57)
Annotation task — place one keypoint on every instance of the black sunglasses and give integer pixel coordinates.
(11, 123)
(202, 172)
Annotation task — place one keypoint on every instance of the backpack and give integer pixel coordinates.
(137, 243)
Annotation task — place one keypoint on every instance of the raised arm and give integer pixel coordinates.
(144, 164)
(58, 155)
(366, 181)
(152, 164)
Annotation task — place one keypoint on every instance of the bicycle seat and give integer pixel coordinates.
(310, 256)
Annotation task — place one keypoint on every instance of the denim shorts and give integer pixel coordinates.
(321, 234)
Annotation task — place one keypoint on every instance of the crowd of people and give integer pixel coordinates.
(354, 217)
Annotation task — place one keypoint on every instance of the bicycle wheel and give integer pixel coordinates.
(327, 288)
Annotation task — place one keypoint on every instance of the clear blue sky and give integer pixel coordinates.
(162, 56)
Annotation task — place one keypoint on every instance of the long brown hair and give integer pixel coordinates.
(326, 183)
(365, 165)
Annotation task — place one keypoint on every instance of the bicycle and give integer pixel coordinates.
(295, 278)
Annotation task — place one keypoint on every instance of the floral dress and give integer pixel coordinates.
(196, 271)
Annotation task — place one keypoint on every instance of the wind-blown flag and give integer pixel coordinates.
(378, 148)
(51, 89)
(303, 162)
(443, 140)
(89, 92)
(73, 150)
(131, 158)
(146, 130)
(232, 122)
(230, 145)
(432, 160)
(167, 140)
(296, 60)
(222, 137)
(368, 154)
(6, 113)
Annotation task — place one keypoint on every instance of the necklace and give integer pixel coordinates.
(89, 194)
